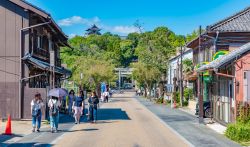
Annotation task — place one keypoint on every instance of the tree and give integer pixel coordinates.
(194, 35)
(94, 72)
(187, 65)
(146, 75)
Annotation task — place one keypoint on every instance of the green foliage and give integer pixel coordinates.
(244, 115)
(187, 65)
(156, 47)
(238, 132)
(194, 35)
(94, 71)
(188, 94)
(167, 102)
(159, 100)
(177, 96)
(153, 49)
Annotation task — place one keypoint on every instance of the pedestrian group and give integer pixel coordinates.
(75, 107)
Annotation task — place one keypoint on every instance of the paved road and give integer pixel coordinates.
(187, 125)
(130, 122)
(123, 122)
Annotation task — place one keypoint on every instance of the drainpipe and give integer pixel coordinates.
(215, 41)
(20, 65)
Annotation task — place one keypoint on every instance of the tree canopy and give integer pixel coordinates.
(96, 56)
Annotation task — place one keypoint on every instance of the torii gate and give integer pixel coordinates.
(123, 72)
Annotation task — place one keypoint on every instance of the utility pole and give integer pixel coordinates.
(181, 81)
(200, 84)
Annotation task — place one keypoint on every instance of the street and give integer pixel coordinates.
(122, 122)
(128, 121)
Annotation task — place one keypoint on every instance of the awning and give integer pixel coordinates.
(226, 58)
(45, 66)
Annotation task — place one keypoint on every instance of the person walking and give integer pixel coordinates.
(93, 103)
(83, 104)
(71, 98)
(78, 107)
(54, 104)
(106, 96)
(36, 111)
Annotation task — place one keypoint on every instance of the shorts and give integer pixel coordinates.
(77, 110)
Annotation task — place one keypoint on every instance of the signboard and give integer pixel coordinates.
(52, 58)
(219, 54)
(169, 88)
(205, 73)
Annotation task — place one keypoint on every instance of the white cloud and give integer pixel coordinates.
(125, 29)
(78, 20)
(72, 35)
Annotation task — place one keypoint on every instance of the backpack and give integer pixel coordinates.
(36, 112)
(54, 110)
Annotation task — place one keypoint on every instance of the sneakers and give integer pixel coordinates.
(38, 130)
(33, 130)
(56, 131)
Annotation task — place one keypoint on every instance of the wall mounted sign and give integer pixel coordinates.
(219, 54)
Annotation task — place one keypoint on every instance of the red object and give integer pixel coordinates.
(174, 104)
(8, 127)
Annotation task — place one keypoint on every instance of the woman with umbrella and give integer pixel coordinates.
(54, 105)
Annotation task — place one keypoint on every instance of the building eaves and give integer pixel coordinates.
(28, 6)
(226, 58)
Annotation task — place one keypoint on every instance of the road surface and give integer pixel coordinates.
(123, 122)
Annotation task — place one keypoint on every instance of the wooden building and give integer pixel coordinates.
(30, 43)
(234, 69)
(222, 37)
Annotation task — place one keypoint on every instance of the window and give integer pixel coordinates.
(38, 82)
(39, 41)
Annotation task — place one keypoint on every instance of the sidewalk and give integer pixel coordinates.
(187, 125)
(208, 122)
(23, 136)
(19, 130)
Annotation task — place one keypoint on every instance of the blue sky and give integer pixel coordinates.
(118, 16)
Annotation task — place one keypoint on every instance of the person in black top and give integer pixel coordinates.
(93, 104)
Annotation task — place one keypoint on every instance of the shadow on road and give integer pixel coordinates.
(4, 138)
(112, 114)
(27, 145)
(88, 129)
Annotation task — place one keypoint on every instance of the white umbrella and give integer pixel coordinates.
(58, 92)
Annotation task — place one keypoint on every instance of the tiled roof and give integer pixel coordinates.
(239, 22)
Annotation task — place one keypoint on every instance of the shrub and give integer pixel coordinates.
(238, 132)
(160, 100)
(188, 93)
(185, 103)
(177, 97)
(244, 115)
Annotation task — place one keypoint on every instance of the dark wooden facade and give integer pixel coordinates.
(38, 41)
